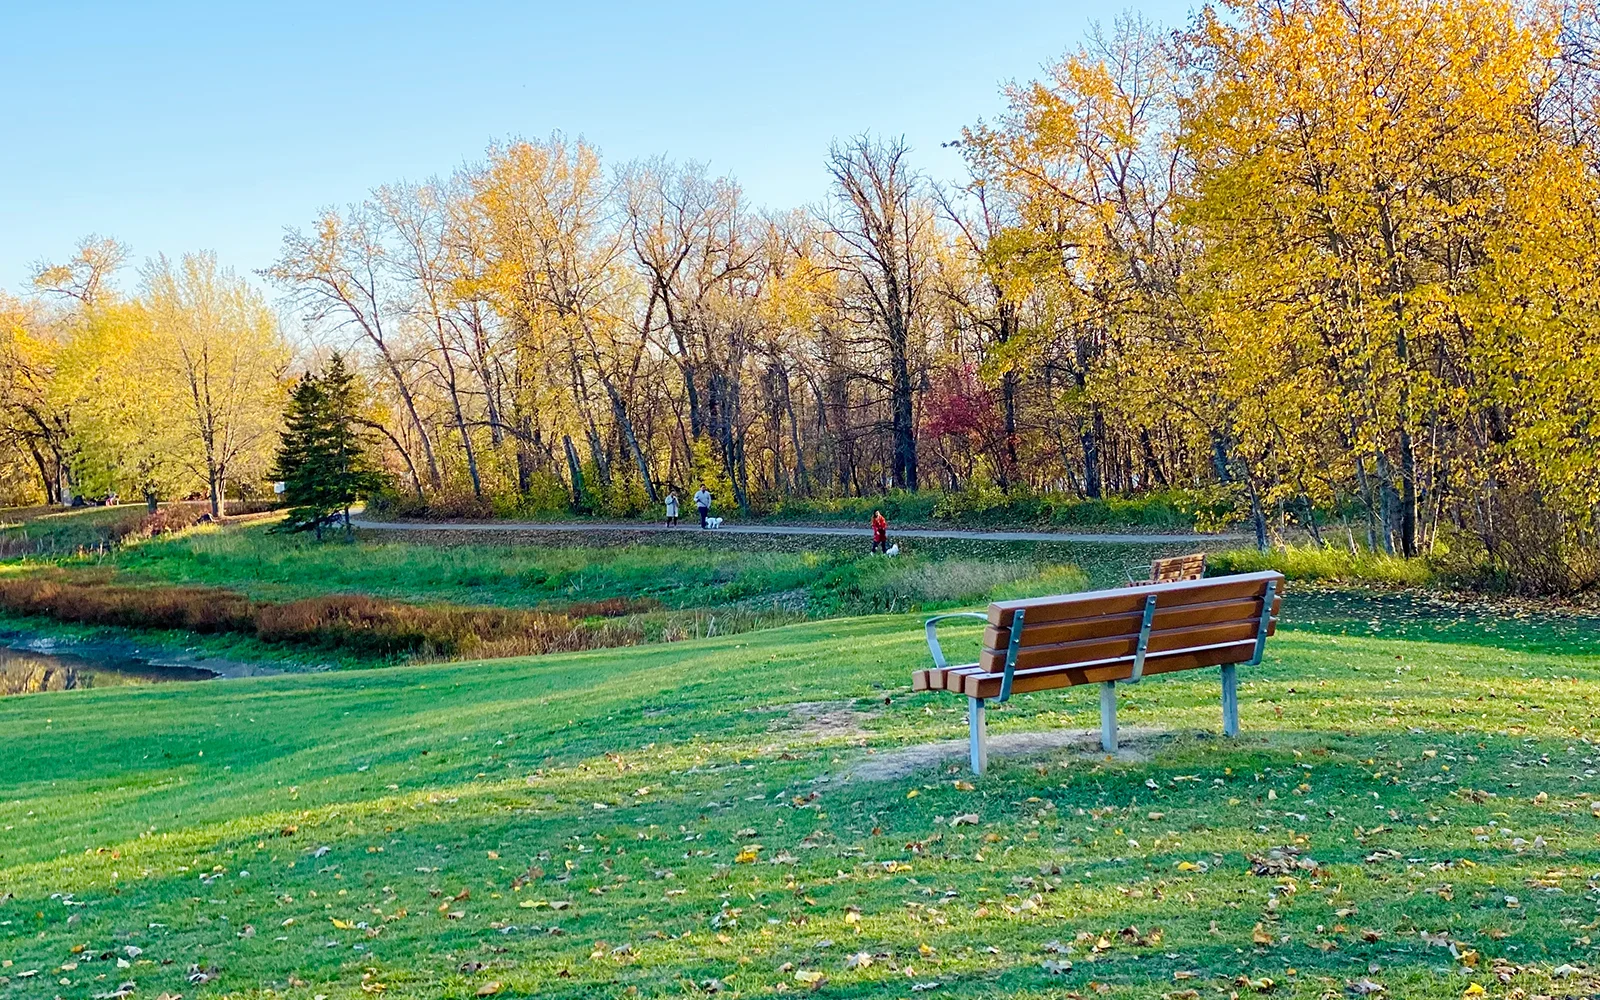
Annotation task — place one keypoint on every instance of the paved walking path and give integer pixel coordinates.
(588, 527)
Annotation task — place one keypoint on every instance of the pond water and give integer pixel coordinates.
(32, 665)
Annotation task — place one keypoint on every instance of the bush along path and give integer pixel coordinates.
(1402, 818)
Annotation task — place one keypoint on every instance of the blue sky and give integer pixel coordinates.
(185, 126)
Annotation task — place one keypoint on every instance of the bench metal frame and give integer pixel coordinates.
(977, 710)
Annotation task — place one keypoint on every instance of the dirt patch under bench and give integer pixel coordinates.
(1134, 744)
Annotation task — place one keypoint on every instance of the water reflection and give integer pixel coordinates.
(25, 671)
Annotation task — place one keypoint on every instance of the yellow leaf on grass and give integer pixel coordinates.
(748, 854)
(343, 925)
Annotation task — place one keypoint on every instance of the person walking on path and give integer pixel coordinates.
(702, 503)
(672, 508)
(880, 533)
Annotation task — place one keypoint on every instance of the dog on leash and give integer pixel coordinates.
(713, 522)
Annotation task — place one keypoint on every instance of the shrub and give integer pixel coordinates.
(197, 609)
(1524, 546)
(1325, 565)
(167, 520)
(1207, 509)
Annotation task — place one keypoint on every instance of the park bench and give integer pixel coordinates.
(1110, 637)
(1170, 570)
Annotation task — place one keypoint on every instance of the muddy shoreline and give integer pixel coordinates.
(32, 662)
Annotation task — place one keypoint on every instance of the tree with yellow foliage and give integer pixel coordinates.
(217, 370)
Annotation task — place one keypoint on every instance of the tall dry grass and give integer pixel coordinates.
(353, 623)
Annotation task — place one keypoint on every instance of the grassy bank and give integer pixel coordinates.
(825, 576)
(734, 816)
(395, 597)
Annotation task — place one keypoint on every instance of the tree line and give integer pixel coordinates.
(1334, 258)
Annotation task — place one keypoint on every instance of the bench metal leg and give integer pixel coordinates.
(979, 730)
(1230, 700)
(1108, 716)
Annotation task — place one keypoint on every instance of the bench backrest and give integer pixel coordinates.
(1194, 623)
(1189, 567)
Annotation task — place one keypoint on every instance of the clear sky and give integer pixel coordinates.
(183, 126)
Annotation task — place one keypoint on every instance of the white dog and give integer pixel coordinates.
(713, 522)
(892, 550)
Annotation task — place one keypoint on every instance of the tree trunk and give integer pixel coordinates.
(1257, 516)
(1408, 495)
(619, 412)
(1388, 501)
(574, 469)
(902, 419)
(1090, 440)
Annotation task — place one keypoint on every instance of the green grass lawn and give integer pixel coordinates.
(726, 816)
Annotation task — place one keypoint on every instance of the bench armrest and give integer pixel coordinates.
(933, 639)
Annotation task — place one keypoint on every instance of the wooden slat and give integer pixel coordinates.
(942, 678)
(987, 685)
(1248, 608)
(953, 676)
(1097, 603)
(1069, 654)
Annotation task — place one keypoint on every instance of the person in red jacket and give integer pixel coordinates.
(880, 533)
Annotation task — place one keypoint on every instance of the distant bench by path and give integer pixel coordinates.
(586, 527)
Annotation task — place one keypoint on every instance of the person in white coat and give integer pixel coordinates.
(672, 509)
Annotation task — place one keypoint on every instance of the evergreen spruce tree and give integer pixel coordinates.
(323, 456)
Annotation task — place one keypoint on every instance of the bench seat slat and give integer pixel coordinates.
(942, 678)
